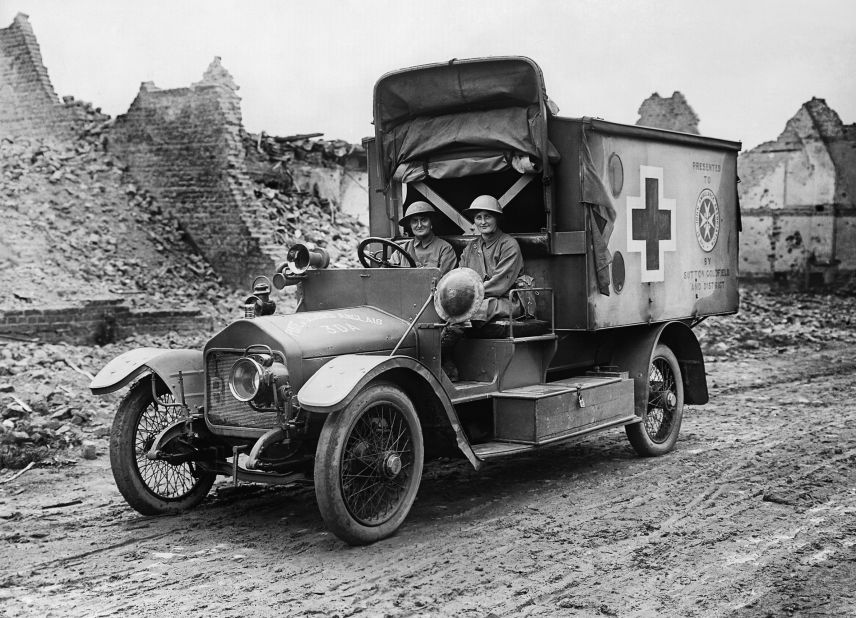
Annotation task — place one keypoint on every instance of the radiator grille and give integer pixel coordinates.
(221, 407)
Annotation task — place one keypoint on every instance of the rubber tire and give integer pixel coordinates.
(637, 434)
(123, 461)
(328, 458)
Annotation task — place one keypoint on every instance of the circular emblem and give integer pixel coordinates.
(616, 174)
(707, 220)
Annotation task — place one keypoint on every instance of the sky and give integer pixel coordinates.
(745, 66)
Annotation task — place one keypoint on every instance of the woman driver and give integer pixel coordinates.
(426, 249)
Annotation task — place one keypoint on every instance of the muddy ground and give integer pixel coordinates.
(754, 514)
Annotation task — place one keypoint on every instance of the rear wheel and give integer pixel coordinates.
(368, 465)
(152, 487)
(661, 421)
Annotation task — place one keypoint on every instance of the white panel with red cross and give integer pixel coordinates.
(651, 223)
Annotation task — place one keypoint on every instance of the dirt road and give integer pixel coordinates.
(754, 514)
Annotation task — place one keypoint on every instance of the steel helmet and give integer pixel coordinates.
(416, 208)
(488, 203)
(459, 294)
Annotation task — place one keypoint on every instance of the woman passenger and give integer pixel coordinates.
(495, 256)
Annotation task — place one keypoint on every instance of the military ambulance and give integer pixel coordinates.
(629, 233)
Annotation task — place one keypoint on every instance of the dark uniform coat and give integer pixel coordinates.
(436, 253)
(499, 261)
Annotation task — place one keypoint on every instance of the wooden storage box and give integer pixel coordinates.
(547, 412)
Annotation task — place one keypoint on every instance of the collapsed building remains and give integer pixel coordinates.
(155, 210)
(673, 113)
(29, 107)
(798, 197)
(185, 147)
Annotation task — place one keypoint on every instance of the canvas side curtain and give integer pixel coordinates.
(597, 199)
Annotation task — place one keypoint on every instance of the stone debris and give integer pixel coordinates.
(89, 450)
(297, 215)
(51, 410)
(774, 321)
(306, 148)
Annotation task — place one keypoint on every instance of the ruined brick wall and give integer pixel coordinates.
(97, 322)
(799, 215)
(672, 113)
(185, 147)
(28, 104)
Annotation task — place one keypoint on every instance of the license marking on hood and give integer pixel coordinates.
(344, 322)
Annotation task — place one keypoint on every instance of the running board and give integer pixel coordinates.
(496, 450)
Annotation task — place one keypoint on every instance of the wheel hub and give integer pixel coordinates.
(391, 465)
(671, 400)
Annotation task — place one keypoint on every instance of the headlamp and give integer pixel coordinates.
(245, 379)
(259, 381)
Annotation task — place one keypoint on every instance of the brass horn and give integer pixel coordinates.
(300, 258)
(297, 261)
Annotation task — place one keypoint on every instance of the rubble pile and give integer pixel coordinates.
(49, 414)
(46, 408)
(772, 321)
(74, 230)
(306, 148)
(299, 217)
(295, 215)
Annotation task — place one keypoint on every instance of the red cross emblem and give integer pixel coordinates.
(651, 229)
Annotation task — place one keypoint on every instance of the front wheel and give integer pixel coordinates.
(152, 487)
(661, 421)
(368, 465)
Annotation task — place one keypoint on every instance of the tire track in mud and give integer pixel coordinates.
(579, 518)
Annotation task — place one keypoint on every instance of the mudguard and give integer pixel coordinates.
(333, 387)
(167, 364)
(636, 349)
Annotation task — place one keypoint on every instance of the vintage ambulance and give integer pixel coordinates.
(629, 233)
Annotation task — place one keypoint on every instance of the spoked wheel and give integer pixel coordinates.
(152, 487)
(661, 422)
(369, 464)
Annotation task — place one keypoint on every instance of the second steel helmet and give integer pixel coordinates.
(459, 295)
(487, 203)
(416, 208)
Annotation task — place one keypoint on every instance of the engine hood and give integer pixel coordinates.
(309, 339)
(318, 333)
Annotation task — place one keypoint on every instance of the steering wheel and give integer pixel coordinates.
(380, 258)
